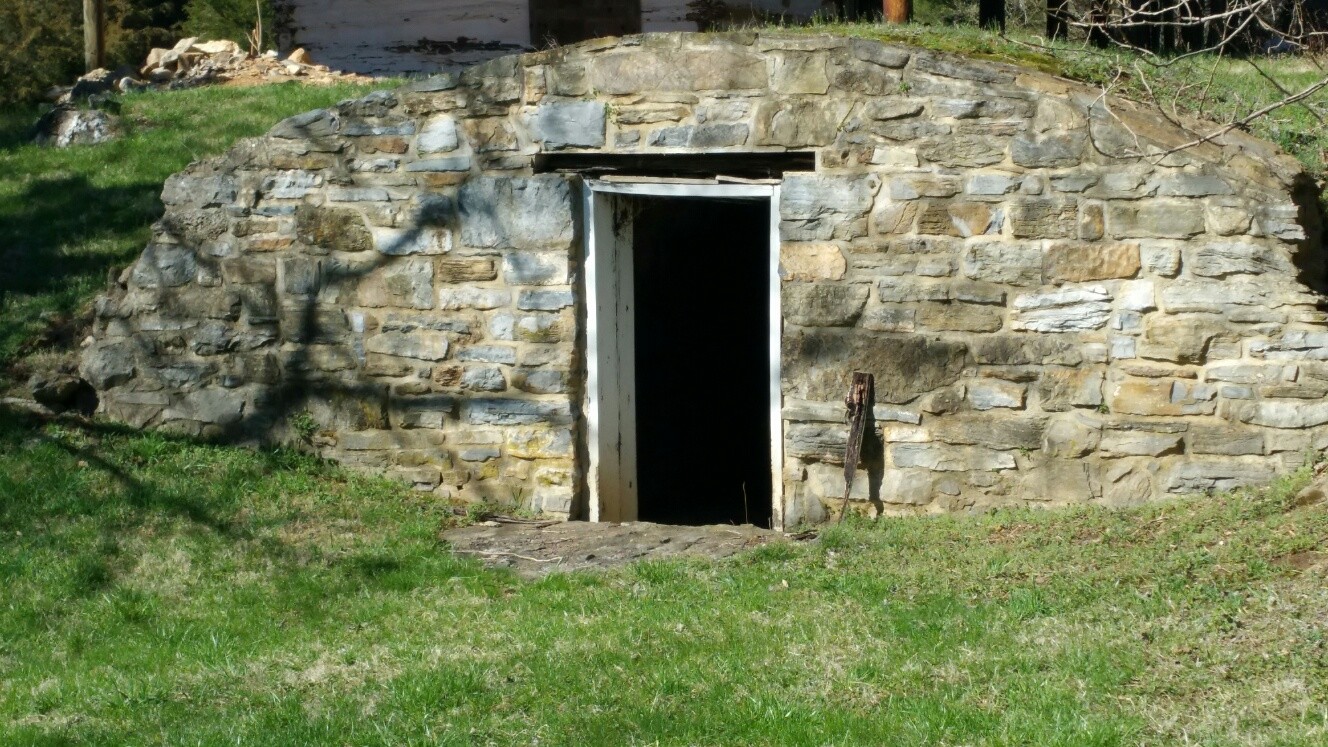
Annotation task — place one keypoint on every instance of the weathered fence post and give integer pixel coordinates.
(898, 11)
(94, 34)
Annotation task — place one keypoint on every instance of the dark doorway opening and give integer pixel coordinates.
(702, 324)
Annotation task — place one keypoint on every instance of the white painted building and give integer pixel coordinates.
(405, 36)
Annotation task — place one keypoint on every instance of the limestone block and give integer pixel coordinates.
(1059, 482)
(809, 262)
(538, 443)
(439, 135)
(164, 266)
(1067, 310)
(470, 297)
(441, 165)
(988, 394)
(1049, 151)
(515, 412)
(291, 185)
(224, 407)
(335, 229)
(914, 186)
(404, 283)
(1181, 339)
(1092, 221)
(541, 380)
(466, 270)
(187, 189)
(545, 300)
(377, 127)
(797, 123)
(564, 124)
(960, 219)
(1226, 440)
(959, 317)
(866, 78)
(420, 344)
(534, 268)
(945, 458)
(1296, 344)
(1167, 219)
(390, 440)
(1009, 264)
(812, 196)
(1122, 443)
(1023, 350)
(1187, 184)
(1278, 414)
(517, 212)
(677, 71)
(818, 363)
(528, 328)
(504, 354)
(1227, 474)
(889, 319)
(724, 135)
(879, 54)
(1076, 183)
(1071, 436)
(1280, 221)
(1063, 389)
(1160, 259)
(817, 442)
(963, 151)
(990, 184)
(396, 242)
(1220, 260)
(108, 364)
(1234, 297)
(1166, 397)
(1250, 373)
(483, 379)
(885, 110)
(1228, 220)
(1075, 262)
(1044, 219)
(1003, 432)
(823, 304)
(1126, 483)
(1137, 295)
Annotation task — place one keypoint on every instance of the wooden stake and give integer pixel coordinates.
(861, 397)
(898, 11)
(94, 34)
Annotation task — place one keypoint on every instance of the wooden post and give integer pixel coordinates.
(898, 11)
(94, 34)
(991, 15)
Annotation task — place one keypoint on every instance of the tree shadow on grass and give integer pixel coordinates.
(20, 431)
(61, 238)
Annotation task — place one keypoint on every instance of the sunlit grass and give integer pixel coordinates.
(163, 592)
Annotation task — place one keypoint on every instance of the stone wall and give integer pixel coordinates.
(1056, 307)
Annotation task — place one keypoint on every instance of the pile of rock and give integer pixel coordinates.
(188, 64)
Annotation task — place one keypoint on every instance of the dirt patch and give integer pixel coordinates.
(537, 549)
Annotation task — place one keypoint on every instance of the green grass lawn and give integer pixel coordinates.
(163, 592)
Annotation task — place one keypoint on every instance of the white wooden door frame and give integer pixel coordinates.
(610, 346)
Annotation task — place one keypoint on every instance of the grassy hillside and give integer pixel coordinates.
(161, 592)
(67, 217)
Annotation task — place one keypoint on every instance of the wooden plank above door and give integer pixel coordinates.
(571, 21)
